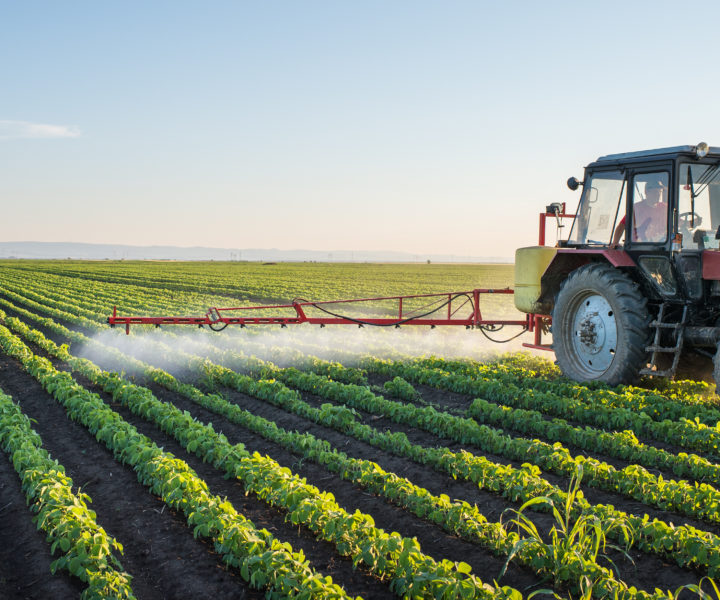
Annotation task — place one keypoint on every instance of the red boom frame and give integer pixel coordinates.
(219, 318)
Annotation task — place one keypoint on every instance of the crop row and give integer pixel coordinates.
(87, 551)
(458, 517)
(689, 539)
(355, 535)
(262, 560)
(683, 433)
(104, 296)
(685, 544)
(658, 403)
(623, 445)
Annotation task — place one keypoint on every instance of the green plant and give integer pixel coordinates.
(399, 388)
(573, 539)
(697, 588)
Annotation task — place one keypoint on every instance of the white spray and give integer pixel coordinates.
(287, 346)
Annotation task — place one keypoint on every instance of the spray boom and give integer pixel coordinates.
(439, 309)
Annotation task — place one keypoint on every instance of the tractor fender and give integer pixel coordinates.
(711, 265)
(567, 260)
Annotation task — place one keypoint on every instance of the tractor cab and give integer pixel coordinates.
(661, 207)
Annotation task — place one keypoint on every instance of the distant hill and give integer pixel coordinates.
(61, 250)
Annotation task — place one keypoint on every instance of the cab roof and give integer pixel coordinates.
(672, 151)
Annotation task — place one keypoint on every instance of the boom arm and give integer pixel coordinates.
(449, 303)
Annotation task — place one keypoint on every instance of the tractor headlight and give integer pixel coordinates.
(701, 150)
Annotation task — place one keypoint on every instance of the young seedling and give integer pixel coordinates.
(574, 539)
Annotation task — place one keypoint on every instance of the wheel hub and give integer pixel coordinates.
(595, 332)
(592, 332)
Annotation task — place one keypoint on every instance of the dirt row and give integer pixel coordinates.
(647, 572)
(456, 403)
(74, 447)
(642, 573)
(160, 552)
(594, 495)
(24, 554)
(391, 518)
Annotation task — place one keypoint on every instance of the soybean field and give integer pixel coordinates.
(336, 462)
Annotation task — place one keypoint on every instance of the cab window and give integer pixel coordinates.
(598, 210)
(698, 205)
(650, 207)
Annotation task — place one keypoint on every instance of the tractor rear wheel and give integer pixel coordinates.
(600, 326)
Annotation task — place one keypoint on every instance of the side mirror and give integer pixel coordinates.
(573, 183)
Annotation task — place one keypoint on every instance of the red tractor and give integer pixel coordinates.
(634, 290)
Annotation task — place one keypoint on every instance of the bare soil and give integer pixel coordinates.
(166, 561)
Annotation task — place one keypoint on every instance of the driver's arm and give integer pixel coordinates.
(619, 231)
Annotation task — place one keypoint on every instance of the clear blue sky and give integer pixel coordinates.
(429, 127)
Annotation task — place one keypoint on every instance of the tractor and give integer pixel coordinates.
(633, 290)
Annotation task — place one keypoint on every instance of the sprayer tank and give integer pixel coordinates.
(530, 264)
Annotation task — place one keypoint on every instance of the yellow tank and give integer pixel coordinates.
(530, 264)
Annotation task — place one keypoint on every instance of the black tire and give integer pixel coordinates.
(600, 326)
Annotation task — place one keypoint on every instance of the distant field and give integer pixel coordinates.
(195, 286)
(328, 462)
(280, 281)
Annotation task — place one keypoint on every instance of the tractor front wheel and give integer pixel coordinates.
(600, 326)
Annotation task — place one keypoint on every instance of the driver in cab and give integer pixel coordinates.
(649, 216)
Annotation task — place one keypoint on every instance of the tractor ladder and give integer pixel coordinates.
(660, 324)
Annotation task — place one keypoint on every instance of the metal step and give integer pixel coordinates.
(672, 349)
(665, 325)
(666, 373)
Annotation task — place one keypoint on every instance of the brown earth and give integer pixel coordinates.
(167, 562)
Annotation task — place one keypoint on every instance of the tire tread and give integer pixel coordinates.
(632, 317)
